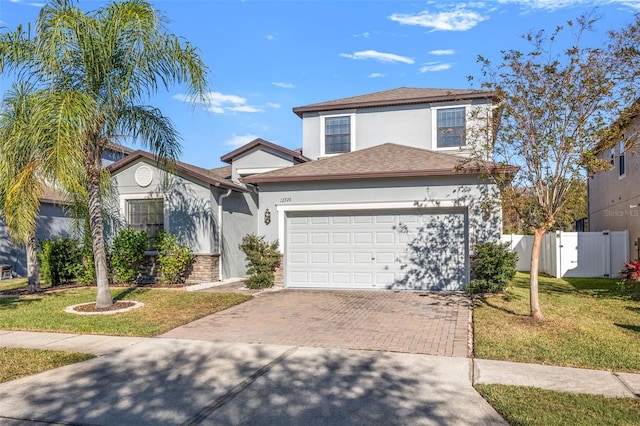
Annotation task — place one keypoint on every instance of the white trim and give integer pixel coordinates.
(256, 170)
(282, 209)
(352, 129)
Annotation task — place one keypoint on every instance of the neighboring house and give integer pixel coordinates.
(385, 203)
(614, 194)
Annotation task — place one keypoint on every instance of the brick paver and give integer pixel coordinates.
(401, 321)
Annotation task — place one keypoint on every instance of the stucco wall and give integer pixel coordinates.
(260, 160)
(53, 222)
(239, 219)
(410, 125)
(190, 206)
(614, 201)
(428, 192)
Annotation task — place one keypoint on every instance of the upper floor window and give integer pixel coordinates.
(337, 134)
(451, 127)
(612, 153)
(621, 159)
(147, 215)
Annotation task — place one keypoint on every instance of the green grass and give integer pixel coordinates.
(18, 363)
(590, 323)
(13, 284)
(530, 406)
(163, 310)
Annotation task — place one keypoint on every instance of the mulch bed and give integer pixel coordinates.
(91, 307)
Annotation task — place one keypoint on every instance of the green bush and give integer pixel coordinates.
(60, 261)
(493, 266)
(174, 258)
(127, 254)
(87, 272)
(263, 258)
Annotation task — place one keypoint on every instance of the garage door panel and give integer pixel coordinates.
(402, 250)
(362, 238)
(341, 238)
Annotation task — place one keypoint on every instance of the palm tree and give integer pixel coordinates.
(98, 67)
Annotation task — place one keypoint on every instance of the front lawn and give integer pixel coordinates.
(163, 310)
(590, 323)
(18, 362)
(532, 407)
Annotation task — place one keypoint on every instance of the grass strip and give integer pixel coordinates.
(18, 362)
(527, 406)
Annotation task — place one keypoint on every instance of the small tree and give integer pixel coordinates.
(263, 258)
(555, 114)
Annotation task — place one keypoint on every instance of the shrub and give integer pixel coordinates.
(127, 254)
(60, 261)
(493, 266)
(174, 258)
(87, 270)
(263, 258)
(630, 275)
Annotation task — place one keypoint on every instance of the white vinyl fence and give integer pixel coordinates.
(575, 254)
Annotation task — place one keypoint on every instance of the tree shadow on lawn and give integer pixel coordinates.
(7, 303)
(628, 327)
(486, 300)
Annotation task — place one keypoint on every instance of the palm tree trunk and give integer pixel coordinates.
(534, 300)
(32, 264)
(103, 299)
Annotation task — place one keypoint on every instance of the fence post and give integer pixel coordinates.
(606, 247)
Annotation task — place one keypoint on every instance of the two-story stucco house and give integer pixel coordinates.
(614, 194)
(383, 201)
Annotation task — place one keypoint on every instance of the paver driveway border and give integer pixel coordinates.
(433, 323)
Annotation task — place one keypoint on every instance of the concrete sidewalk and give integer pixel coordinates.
(189, 382)
(564, 379)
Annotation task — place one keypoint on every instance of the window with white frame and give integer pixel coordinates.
(337, 134)
(146, 215)
(621, 159)
(451, 127)
(612, 153)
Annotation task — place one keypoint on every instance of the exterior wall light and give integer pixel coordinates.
(267, 217)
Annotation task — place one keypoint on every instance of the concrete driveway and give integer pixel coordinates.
(395, 321)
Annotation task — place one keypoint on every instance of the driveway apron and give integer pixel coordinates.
(395, 321)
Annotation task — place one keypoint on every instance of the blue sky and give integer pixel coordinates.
(266, 57)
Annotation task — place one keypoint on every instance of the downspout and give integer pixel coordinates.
(220, 239)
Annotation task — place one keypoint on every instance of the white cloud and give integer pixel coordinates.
(273, 105)
(553, 5)
(441, 52)
(270, 37)
(376, 75)
(245, 108)
(365, 35)
(434, 66)
(283, 84)
(239, 140)
(378, 56)
(219, 103)
(459, 19)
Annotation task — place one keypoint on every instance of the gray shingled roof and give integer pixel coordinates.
(400, 96)
(209, 176)
(382, 161)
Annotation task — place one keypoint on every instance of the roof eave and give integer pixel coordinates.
(299, 111)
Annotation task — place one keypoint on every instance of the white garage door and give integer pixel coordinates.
(378, 250)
